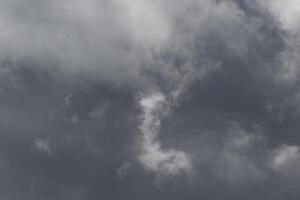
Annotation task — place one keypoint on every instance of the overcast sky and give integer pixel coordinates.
(149, 99)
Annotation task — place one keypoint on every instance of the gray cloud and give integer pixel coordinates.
(162, 99)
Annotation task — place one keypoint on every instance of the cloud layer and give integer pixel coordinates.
(140, 99)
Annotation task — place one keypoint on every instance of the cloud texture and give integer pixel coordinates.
(149, 99)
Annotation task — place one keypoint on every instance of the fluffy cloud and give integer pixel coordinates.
(287, 13)
(102, 39)
(94, 37)
(153, 157)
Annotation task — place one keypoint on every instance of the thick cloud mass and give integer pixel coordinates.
(149, 99)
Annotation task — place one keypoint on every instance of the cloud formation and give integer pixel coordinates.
(169, 162)
(140, 99)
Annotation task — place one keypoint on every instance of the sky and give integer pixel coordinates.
(149, 99)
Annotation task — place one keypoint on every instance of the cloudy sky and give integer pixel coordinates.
(149, 99)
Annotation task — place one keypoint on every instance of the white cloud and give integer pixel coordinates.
(145, 20)
(153, 157)
(208, 16)
(284, 157)
(99, 38)
(165, 162)
(287, 12)
(113, 40)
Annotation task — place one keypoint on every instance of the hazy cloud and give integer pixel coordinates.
(140, 99)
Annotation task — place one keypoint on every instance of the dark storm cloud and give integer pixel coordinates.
(129, 99)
